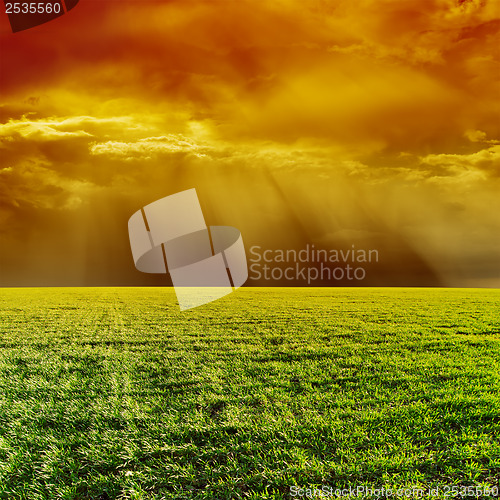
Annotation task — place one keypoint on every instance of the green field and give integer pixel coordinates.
(113, 393)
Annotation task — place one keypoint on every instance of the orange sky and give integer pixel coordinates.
(373, 123)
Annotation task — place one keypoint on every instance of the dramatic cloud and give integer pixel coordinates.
(148, 148)
(486, 161)
(374, 122)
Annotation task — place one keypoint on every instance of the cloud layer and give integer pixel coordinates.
(298, 121)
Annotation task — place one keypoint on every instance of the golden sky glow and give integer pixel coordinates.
(373, 123)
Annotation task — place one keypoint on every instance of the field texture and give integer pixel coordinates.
(113, 393)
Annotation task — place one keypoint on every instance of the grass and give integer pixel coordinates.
(113, 393)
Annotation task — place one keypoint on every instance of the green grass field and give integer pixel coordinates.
(113, 393)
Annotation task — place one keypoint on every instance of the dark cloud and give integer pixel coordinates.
(298, 122)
